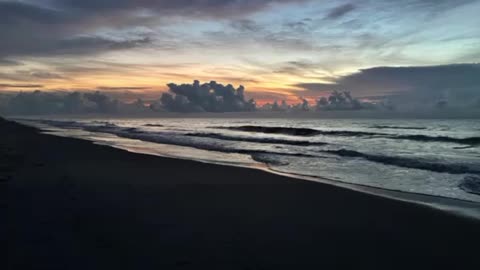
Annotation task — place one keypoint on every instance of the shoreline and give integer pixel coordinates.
(466, 208)
(70, 199)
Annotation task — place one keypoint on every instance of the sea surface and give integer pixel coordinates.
(432, 157)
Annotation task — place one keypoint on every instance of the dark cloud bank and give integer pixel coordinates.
(450, 88)
(209, 97)
(405, 88)
(195, 97)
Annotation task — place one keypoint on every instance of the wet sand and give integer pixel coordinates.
(71, 204)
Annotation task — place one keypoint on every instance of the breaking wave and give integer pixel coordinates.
(471, 184)
(397, 127)
(275, 130)
(347, 133)
(268, 159)
(255, 140)
(407, 162)
(425, 138)
(164, 138)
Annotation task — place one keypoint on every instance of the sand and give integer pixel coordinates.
(71, 204)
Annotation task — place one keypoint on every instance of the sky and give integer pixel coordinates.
(277, 49)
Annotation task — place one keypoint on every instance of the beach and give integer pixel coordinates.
(72, 204)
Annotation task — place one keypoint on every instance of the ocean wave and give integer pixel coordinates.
(464, 147)
(348, 133)
(168, 139)
(255, 140)
(411, 163)
(75, 124)
(183, 140)
(425, 138)
(153, 125)
(299, 131)
(397, 127)
(164, 138)
(269, 159)
(275, 130)
(60, 123)
(471, 184)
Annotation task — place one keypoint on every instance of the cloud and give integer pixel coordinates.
(16, 12)
(7, 85)
(246, 25)
(278, 39)
(45, 75)
(341, 101)
(108, 88)
(340, 11)
(434, 5)
(304, 26)
(457, 83)
(190, 8)
(196, 97)
(7, 62)
(62, 35)
(297, 67)
(39, 102)
(207, 97)
(60, 27)
(31, 75)
(33, 30)
(93, 44)
(267, 96)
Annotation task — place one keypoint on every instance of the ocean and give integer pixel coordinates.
(439, 158)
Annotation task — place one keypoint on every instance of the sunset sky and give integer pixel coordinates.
(277, 49)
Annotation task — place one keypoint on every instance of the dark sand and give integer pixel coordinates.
(75, 205)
